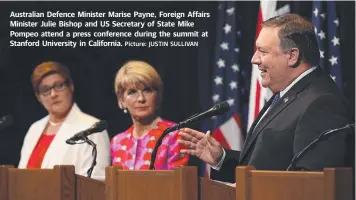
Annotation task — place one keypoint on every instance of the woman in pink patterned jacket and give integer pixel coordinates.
(139, 92)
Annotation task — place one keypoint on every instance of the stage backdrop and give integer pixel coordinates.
(187, 73)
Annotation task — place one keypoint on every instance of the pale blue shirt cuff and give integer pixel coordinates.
(218, 166)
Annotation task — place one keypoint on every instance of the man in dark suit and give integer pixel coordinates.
(306, 102)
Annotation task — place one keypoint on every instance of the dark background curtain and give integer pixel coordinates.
(186, 72)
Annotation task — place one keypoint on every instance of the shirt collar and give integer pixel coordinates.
(283, 92)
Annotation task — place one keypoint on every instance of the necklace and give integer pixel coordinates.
(54, 124)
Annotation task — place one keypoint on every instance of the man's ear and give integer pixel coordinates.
(294, 57)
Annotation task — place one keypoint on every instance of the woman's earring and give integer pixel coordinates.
(121, 107)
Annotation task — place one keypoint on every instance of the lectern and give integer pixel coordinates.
(59, 183)
(213, 190)
(251, 184)
(178, 184)
(37, 184)
(89, 189)
(330, 184)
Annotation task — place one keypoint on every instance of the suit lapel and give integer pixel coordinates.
(56, 148)
(285, 101)
(58, 145)
(272, 113)
(253, 126)
(31, 142)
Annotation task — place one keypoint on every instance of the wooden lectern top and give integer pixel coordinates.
(59, 183)
(330, 184)
(37, 184)
(178, 184)
(251, 184)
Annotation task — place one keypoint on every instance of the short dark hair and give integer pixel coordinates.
(296, 32)
(47, 68)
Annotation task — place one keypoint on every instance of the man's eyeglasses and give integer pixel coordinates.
(59, 86)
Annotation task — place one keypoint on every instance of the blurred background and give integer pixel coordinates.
(190, 75)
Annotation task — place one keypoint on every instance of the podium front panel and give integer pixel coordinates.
(178, 184)
(89, 189)
(163, 179)
(291, 186)
(212, 190)
(41, 184)
(330, 184)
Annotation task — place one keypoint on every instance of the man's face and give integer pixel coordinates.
(271, 61)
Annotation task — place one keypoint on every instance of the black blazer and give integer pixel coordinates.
(313, 105)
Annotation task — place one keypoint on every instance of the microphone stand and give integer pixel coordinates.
(94, 154)
(321, 136)
(155, 149)
(160, 139)
(216, 110)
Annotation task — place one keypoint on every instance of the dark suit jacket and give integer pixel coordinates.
(313, 105)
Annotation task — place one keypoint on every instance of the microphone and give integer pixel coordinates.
(6, 121)
(217, 109)
(321, 136)
(97, 127)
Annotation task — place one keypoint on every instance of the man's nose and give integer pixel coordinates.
(256, 58)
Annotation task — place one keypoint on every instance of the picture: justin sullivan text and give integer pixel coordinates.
(162, 44)
(103, 43)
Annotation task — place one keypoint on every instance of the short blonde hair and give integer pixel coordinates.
(137, 73)
(47, 68)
